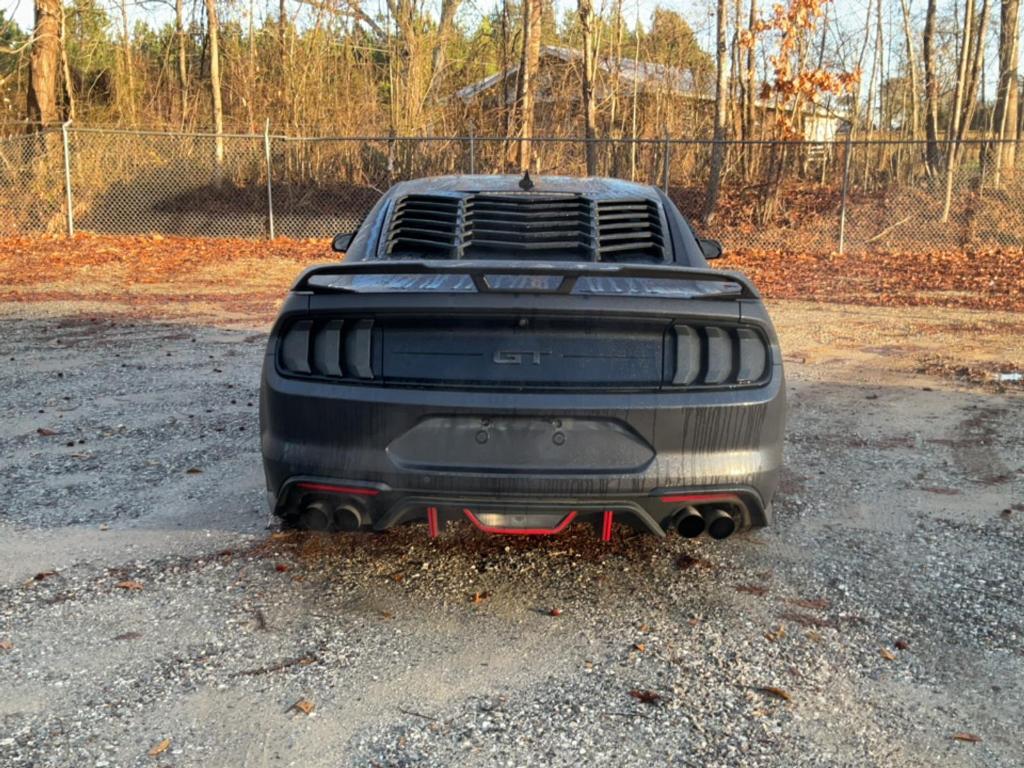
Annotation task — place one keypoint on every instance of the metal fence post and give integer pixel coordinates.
(270, 185)
(665, 164)
(472, 151)
(842, 197)
(68, 198)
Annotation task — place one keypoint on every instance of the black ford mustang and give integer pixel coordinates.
(521, 355)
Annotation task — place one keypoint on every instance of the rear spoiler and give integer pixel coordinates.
(319, 278)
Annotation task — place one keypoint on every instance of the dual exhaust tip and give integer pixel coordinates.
(322, 516)
(691, 523)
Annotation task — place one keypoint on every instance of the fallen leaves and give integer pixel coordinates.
(129, 584)
(778, 693)
(305, 706)
(193, 471)
(685, 562)
(752, 589)
(46, 432)
(159, 748)
(886, 654)
(281, 567)
(902, 644)
(971, 738)
(6, 645)
(555, 612)
(479, 597)
(645, 696)
(639, 647)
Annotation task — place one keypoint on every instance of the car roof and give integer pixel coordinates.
(593, 187)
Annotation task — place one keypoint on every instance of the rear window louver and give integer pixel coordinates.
(533, 226)
(550, 226)
(425, 224)
(629, 230)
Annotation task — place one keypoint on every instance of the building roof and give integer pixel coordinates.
(643, 73)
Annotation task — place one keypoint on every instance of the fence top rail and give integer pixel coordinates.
(839, 141)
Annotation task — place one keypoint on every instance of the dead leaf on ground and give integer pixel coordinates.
(752, 589)
(46, 432)
(777, 634)
(902, 644)
(973, 738)
(685, 562)
(159, 748)
(644, 696)
(129, 584)
(6, 645)
(886, 654)
(479, 597)
(639, 647)
(193, 471)
(305, 706)
(778, 693)
(281, 567)
(555, 612)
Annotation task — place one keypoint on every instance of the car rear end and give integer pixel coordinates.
(526, 395)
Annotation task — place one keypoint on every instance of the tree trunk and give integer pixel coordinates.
(43, 64)
(915, 95)
(931, 89)
(179, 36)
(721, 93)
(1007, 97)
(129, 68)
(586, 11)
(958, 101)
(213, 33)
(528, 65)
(750, 92)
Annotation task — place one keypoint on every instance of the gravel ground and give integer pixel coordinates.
(149, 616)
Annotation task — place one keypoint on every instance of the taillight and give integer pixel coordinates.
(332, 348)
(713, 355)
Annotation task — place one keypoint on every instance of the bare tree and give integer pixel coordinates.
(965, 98)
(128, 66)
(1007, 96)
(721, 94)
(528, 65)
(586, 12)
(931, 88)
(915, 119)
(179, 39)
(213, 33)
(43, 63)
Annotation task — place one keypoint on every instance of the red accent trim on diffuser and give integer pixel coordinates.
(350, 490)
(699, 497)
(521, 531)
(606, 525)
(432, 522)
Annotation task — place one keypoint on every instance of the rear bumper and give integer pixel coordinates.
(406, 451)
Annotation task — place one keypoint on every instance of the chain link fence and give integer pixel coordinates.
(853, 196)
